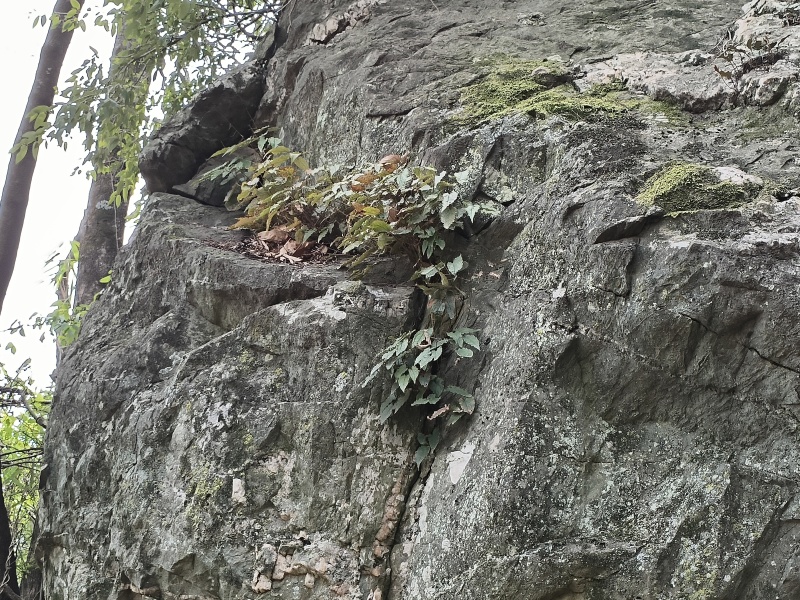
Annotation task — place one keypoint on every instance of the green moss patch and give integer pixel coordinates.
(686, 187)
(544, 88)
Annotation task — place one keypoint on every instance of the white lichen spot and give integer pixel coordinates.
(737, 176)
(342, 379)
(458, 460)
(238, 495)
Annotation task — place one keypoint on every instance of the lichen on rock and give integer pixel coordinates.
(686, 187)
(545, 88)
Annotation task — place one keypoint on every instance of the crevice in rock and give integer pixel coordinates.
(630, 227)
(177, 192)
(226, 308)
(381, 114)
(771, 361)
(387, 537)
(413, 494)
(445, 28)
(756, 351)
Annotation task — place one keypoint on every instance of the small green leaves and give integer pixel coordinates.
(412, 359)
(368, 212)
(427, 445)
(455, 265)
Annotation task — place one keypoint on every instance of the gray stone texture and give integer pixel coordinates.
(636, 431)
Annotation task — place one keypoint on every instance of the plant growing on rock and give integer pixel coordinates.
(388, 207)
(742, 57)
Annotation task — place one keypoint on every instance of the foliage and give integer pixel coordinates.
(22, 419)
(64, 321)
(171, 49)
(411, 358)
(388, 207)
(24, 410)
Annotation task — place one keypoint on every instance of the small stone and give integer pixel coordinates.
(281, 566)
(261, 583)
(238, 495)
(288, 548)
(309, 581)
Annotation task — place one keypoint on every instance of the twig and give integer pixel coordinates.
(23, 395)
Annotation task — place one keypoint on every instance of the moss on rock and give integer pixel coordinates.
(544, 88)
(686, 187)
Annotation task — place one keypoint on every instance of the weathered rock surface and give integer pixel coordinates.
(636, 432)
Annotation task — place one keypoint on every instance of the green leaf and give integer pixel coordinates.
(402, 178)
(387, 410)
(455, 265)
(420, 336)
(473, 209)
(467, 404)
(21, 153)
(301, 163)
(403, 381)
(454, 418)
(454, 389)
(428, 271)
(448, 217)
(428, 356)
(421, 454)
(380, 225)
(471, 340)
(429, 399)
(11, 348)
(448, 199)
(434, 438)
(464, 352)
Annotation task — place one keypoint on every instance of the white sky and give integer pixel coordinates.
(57, 198)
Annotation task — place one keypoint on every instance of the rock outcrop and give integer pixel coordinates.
(636, 430)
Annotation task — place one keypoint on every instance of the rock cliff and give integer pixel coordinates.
(636, 430)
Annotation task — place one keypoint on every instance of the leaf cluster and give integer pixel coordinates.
(387, 207)
(23, 412)
(166, 52)
(411, 360)
(64, 321)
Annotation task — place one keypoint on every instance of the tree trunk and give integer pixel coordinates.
(103, 223)
(100, 235)
(8, 561)
(16, 190)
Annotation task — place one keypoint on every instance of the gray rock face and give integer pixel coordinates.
(219, 117)
(636, 431)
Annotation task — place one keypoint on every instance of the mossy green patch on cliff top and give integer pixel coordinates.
(686, 187)
(545, 88)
